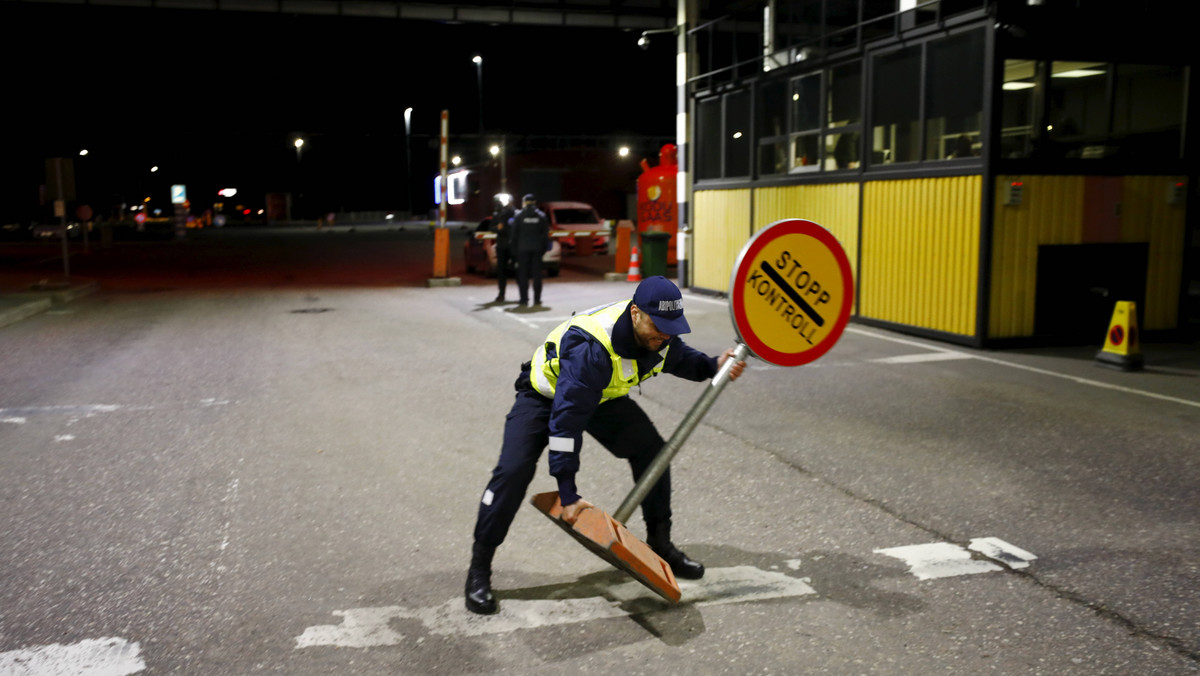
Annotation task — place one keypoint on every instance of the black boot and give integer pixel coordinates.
(479, 581)
(659, 539)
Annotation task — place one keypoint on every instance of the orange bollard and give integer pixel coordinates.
(610, 540)
(621, 259)
(441, 252)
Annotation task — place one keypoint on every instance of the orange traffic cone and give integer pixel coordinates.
(635, 272)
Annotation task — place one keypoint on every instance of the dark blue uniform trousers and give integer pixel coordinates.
(529, 266)
(620, 425)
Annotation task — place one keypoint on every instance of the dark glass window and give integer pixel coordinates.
(1148, 111)
(737, 134)
(896, 107)
(877, 21)
(844, 116)
(806, 122)
(806, 103)
(771, 128)
(841, 25)
(954, 96)
(708, 136)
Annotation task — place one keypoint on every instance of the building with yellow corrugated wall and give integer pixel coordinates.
(986, 190)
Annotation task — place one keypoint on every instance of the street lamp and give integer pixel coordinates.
(644, 40)
(299, 143)
(408, 155)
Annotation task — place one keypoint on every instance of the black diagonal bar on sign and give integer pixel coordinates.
(792, 293)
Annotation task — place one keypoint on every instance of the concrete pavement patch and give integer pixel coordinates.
(17, 306)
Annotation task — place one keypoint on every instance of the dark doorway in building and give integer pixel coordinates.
(1078, 285)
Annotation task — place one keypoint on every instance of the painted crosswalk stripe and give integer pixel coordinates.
(368, 627)
(91, 657)
(943, 559)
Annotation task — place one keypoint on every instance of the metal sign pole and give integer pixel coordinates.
(661, 461)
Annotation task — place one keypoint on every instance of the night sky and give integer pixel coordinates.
(215, 98)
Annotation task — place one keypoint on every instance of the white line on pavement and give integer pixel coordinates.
(366, 627)
(938, 559)
(91, 657)
(922, 357)
(1031, 369)
(943, 559)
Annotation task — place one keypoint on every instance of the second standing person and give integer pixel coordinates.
(529, 237)
(504, 257)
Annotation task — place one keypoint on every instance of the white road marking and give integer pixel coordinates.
(938, 559)
(20, 414)
(64, 437)
(1008, 554)
(943, 559)
(1032, 369)
(922, 357)
(531, 319)
(716, 301)
(367, 627)
(13, 420)
(91, 657)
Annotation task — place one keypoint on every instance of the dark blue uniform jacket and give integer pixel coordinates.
(585, 369)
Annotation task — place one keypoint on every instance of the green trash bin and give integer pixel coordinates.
(654, 253)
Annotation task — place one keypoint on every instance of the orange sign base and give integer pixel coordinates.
(611, 541)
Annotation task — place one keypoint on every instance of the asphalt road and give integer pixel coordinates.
(262, 454)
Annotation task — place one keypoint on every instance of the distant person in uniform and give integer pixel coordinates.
(529, 237)
(504, 256)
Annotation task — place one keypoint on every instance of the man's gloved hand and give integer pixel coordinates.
(572, 511)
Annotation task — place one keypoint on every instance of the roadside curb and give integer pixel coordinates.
(15, 307)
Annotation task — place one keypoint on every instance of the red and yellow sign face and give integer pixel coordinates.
(791, 292)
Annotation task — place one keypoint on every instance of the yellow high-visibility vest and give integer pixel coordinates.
(598, 322)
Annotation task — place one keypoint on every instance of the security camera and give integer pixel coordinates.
(644, 42)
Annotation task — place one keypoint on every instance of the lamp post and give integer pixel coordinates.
(408, 156)
(499, 151)
(478, 61)
(299, 143)
(686, 11)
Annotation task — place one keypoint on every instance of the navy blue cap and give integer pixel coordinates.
(658, 297)
(528, 198)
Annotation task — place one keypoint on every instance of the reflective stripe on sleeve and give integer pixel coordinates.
(562, 444)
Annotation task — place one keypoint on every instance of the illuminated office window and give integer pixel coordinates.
(1017, 117)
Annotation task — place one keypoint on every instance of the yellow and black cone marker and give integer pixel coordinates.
(1122, 347)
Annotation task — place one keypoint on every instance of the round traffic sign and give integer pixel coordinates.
(791, 292)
